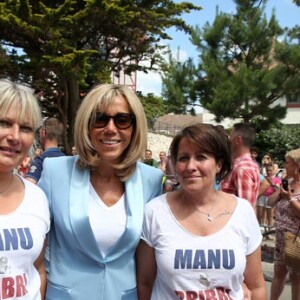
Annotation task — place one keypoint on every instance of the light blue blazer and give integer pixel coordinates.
(76, 269)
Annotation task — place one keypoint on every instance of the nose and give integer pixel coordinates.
(191, 164)
(14, 133)
(110, 126)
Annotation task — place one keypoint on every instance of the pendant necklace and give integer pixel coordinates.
(2, 193)
(210, 217)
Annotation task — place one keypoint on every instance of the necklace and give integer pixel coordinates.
(2, 193)
(210, 217)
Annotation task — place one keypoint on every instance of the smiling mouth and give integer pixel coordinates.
(5, 149)
(110, 142)
(192, 177)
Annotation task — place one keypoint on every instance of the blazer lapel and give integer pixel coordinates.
(79, 219)
(135, 212)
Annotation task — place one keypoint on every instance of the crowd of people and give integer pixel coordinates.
(109, 221)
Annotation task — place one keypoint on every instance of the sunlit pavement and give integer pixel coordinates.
(267, 262)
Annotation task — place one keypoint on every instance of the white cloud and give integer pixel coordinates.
(148, 83)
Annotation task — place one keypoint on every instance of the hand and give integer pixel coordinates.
(286, 194)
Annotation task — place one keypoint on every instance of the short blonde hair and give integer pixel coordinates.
(294, 155)
(99, 99)
(21, 96)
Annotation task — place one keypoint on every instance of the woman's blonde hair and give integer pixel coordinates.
(294, 155)
(17, 95)
(100, 98)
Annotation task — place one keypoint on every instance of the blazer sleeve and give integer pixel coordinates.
(44, 183)
(56, 176)
(152, 179)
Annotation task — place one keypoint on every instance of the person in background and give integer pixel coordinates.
(162, 161)
(23, 167)
(73, 150)
(24, 213)
(276, 166)
(171, 183)
(274, 185)
(263, 182)
(263, 186)
(97, 199)
(266, 160)
(193, 241)
(38, 152)
(243, 181)
(287, 204)
(148, 160)
(254, 155)
(50, 134)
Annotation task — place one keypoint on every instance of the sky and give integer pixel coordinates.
(287, 13)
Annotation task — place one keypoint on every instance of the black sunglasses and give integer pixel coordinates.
(121, 120)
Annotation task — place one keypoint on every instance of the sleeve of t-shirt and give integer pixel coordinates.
(35, 169)
(154, 212)
(146, 232)
(261, 177)
(276, 181)
(254, 236)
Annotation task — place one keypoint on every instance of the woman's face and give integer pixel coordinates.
(270, 172)
(38, 152)
(16, 138)
(290, 167)
(195, 170)
(266, 159)
(109, 141)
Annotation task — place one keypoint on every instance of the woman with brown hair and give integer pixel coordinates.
(199, 242)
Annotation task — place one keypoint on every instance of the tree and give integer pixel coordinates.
(70, 45)
(177, 81)
(154, 107)
(244, 68)
(278, 140)
(297, 2)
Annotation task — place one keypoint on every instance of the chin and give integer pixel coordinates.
(191, 188)
(111, 159)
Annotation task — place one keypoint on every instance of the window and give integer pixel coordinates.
(293, 98)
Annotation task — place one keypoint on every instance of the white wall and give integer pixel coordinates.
(292, 116)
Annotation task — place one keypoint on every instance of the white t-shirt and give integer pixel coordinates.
(22, 235)
(195, 267)
(108, 223)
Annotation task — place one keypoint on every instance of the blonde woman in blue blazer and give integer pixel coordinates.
(97, 199)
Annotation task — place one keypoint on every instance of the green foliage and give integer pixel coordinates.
(68, 46)
(297, 2)
(177, 81)
(154, 107)
(243, 68)
(278, 140)
(239, 77)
